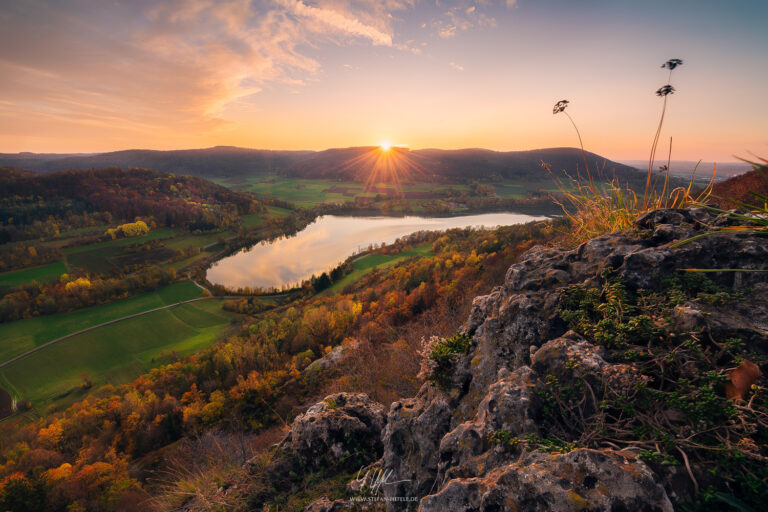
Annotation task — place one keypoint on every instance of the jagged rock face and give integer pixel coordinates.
(579, 480)
(437, 444)
(331, 430)
(414, 430)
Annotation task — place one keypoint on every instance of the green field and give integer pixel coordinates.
(111, 354)
(186, 241)
(18, 337)
(255, 220)
(117, 352)
(308, 193)
(99, 257)
(364, 264)
(49, 272)
(104, 256)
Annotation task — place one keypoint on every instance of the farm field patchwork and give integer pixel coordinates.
(98, 257)
(20, 336)
(309, 192)
(116, 353)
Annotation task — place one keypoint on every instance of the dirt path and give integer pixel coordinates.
(189, 276)
(6, 404)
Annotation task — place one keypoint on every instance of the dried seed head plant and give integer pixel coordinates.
(596, 208)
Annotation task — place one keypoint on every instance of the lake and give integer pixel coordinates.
(328, 241)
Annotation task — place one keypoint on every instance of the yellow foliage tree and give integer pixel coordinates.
(129, 229)
(50, 436)
(79, 284)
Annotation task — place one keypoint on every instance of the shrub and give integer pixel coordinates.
(439, 356)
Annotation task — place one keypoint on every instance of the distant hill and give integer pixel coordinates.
(430, 165)
(214, 162)
(11, 174)
(356, 163)
(189, 201)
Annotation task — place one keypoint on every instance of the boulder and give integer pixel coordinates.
(580, 480)
(338, 432)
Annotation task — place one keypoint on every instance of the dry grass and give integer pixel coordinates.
(598, 208)
(208, 473)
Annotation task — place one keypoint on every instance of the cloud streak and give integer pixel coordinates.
(169, 65)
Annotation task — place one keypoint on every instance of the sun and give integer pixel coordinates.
(385, 145)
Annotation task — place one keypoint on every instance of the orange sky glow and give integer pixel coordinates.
(92, 76)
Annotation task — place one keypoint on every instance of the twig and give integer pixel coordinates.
(688, 467)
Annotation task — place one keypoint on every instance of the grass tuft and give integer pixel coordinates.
(597, 208)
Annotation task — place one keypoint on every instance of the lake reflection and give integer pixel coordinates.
(329, 241)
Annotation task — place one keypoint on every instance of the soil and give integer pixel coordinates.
(5, 404)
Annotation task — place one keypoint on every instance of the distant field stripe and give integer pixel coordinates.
(49, 272)
(364, 264)
(22, 335)
(97, 326)
(153, 235)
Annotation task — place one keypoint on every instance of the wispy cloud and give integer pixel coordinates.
(339, 21)
(460, 18)
(171, 63)
(457, 67)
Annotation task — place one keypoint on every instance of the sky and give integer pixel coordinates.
(104, 75)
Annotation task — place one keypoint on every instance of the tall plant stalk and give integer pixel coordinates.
(663, 92)
(560, 107)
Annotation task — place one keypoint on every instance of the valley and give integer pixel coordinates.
(232, 303)
(383, 256)
(84, 272)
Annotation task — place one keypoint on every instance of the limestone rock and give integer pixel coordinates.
(580, 480)
(412, 437)
(330, 431)
(436, 446)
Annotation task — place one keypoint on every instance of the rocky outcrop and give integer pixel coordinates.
(455, 448)
(578, 480)
(340, 434)
(338, 431)
(437, 443)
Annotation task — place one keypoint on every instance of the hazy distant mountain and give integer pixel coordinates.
(684, 168)
(356, 163)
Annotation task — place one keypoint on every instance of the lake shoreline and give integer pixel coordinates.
(329, 240)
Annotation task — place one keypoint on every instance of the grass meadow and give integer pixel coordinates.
(49, 272)
(112, 354)
(365, 264)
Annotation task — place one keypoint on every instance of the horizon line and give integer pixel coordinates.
(394, 146)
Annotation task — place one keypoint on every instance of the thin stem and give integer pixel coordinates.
(581, 144)
(666, 179)
(653, 153)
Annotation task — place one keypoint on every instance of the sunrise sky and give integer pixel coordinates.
(99, 75)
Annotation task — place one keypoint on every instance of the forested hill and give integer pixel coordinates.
(345, 163)
(125, 194)
(356, 164)
(210, 162)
